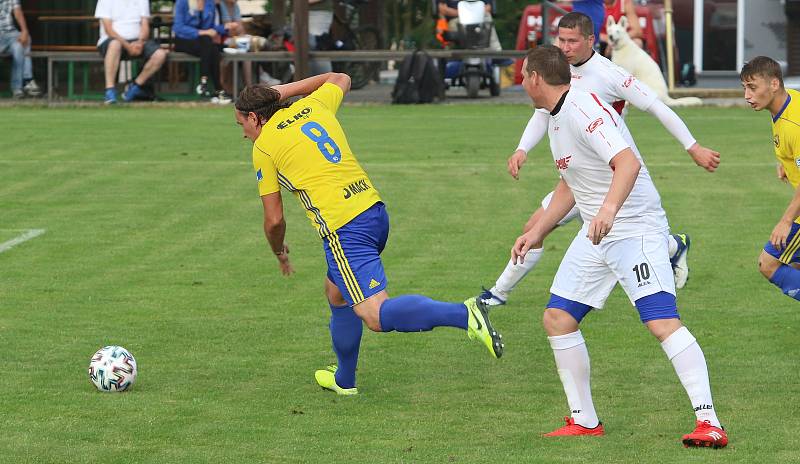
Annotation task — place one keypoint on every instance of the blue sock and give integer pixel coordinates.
(346, 330)
(417, 313)
(787, 279)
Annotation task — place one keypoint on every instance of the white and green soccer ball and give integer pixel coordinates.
(112, 369)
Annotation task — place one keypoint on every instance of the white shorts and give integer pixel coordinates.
(588, 273)
(574, 213)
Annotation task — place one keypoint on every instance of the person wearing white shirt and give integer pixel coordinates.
(124, 35)
(623, 240)
(593, 72)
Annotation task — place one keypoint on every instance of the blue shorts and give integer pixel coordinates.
(789, 254)
(353, 254)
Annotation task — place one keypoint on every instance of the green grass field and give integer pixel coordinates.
(153, 241)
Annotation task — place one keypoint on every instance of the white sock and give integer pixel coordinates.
(572, 361)
(690, 365)
(672, 244)
(514, 273)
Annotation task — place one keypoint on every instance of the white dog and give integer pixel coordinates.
(633, 59)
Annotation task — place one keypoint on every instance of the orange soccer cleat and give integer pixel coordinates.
(706, 435)
(572, 429)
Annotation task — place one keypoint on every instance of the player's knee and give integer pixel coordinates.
(767, 265)
(663, 328)
(373, 324)
(558, 322)
(549, 320)
(370, 316)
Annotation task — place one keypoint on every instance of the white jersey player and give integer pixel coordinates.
(593, 72)
(623, 240)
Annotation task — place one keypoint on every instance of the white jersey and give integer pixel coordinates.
(611, 83)
(125, 15)
(585, 134)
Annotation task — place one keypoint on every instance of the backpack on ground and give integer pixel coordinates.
(418, 80)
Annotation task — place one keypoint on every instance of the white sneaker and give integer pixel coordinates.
(221, 98)
(490, 299)
(680, 265)
(265, 78)
(31, 89)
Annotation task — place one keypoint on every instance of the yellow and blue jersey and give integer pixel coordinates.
(786, 136)
(303, 149)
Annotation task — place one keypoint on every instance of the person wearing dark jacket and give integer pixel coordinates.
(196, 33)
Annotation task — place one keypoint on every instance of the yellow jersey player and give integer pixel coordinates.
(302, 148)
(763, 89)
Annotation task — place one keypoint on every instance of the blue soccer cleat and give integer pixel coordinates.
(133, 91)
(680, 266)
(110, 96)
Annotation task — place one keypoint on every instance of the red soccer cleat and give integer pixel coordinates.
(706, 435)
(573, 429)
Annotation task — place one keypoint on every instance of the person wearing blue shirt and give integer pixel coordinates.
(196, 32)
(594, 9)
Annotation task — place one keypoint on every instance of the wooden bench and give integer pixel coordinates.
(71, 56)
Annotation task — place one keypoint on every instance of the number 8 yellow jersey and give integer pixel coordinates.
(303, 148)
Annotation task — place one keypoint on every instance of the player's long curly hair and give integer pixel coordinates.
(260, 99)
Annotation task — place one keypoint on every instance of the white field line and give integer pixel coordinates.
(24, 237)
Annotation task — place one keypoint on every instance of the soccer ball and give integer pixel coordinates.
(112, 369)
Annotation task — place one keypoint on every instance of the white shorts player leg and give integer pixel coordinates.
(641, 266)
(572, 362)
(690, 364)
(588, 273)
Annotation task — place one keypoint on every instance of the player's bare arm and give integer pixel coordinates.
(781, 173)
(310, 84)
(275, 230)
(626, 168)
(559, 206)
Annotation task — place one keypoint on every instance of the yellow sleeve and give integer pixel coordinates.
(266, 174)
(792, 146)
(330, 95)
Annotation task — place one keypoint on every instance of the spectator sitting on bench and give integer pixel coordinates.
(196, 34)
(18, 44)
(124, 33)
